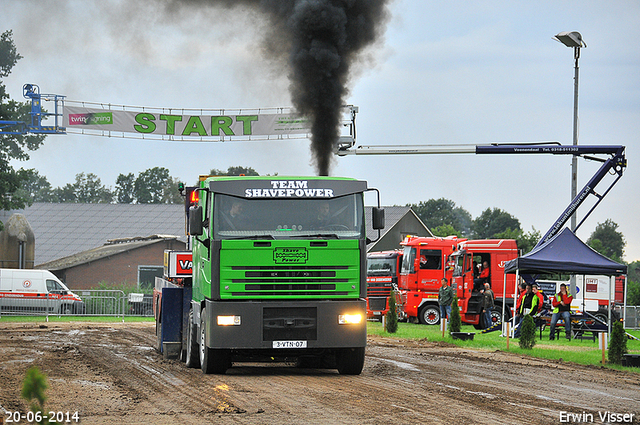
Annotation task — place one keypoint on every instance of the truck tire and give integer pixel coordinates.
(65, 309)
(429, 315)
(603, 315)
(192, 358)
(350, 361)
(211, 360)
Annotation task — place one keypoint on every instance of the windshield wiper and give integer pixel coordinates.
(317, 236)
(271, 237)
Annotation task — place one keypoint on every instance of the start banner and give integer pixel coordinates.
(184, 125)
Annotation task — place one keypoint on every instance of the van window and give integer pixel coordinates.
(53, 286)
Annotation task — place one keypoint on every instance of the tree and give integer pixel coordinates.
(456, 321)
(392, 315)
(125, 184)
(12, 146)
(633, 282)
(90, 190)
(33, 389)
(493, 221)
(527, 333)
(526, 241)
(445, 230)
(149, 187)
(607, 240)
(441, 212)
(34, 187)
(617, 343)
(234, 171)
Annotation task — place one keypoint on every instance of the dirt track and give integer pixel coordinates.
(110, 374)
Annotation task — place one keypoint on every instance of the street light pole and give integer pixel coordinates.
(573, 39)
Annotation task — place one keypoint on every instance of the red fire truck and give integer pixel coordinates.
(383, 269)
(427, 260)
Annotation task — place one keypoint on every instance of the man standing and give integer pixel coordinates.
(487, 305)
(561, 309)
(445, 298)
(528, 305)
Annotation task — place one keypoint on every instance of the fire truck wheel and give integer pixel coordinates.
(350, 361)
(429, 315)
(211, 360)
(192, 357)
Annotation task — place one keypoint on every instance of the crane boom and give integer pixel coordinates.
(615, 163)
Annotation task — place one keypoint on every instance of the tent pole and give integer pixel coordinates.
(609, 308)
(504, 301)
(515, 301)
(624, 304)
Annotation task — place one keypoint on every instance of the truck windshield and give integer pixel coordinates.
(408, 260)
(458, 264)
(335, 218)
(381, 266)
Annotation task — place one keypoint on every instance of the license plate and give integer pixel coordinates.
(289, 344)
(377, 313)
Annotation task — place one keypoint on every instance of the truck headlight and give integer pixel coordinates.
(349, 319)
(229, 320)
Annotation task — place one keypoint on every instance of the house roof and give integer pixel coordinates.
(112, 247)
(65, 229)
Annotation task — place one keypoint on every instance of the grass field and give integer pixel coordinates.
(578, 351)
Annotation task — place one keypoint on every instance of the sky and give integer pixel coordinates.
(443, 73)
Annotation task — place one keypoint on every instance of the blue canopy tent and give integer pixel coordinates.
(564, 254)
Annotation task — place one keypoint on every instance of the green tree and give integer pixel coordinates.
(149, 187)
(170, 194)
(607, 240)
(445, 230)
(90, 190)
(633, 283)
(33, 389)
(125, 185)
(392, 315)
(492, 222)
(527, 333)
(234, 171)
(12, 146)
(441, 212)
(526, 241)
(456, 321)
(34, 187)
(617, 343)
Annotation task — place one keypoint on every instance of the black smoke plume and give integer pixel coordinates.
(321, 40)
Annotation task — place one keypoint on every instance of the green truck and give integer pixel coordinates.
(279, 272)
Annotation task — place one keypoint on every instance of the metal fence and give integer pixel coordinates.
(632, 318)
(94, 303)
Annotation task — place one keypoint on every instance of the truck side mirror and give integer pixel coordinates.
(195, 221)
(378, 218)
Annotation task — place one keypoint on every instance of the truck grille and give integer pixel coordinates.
(289, 324)
(377, 304)
(289, 280)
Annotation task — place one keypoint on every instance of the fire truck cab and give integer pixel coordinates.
(424, 264)
(383, 269)
(467, 262)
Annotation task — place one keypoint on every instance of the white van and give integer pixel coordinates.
(36, 291)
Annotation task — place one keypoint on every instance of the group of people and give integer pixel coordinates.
(531, 302)
(446, 295)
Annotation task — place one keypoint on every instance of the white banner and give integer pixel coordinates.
(169, 124)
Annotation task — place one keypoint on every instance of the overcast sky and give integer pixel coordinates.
(470, 73)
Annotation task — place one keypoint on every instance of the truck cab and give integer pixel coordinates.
(424, 264)
(383, 269)
(466, 262)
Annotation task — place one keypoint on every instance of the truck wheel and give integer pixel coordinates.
(65, 309)
(192, 357)
(429, 315)
(350, 361)
(211, 360)
(602, 315)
